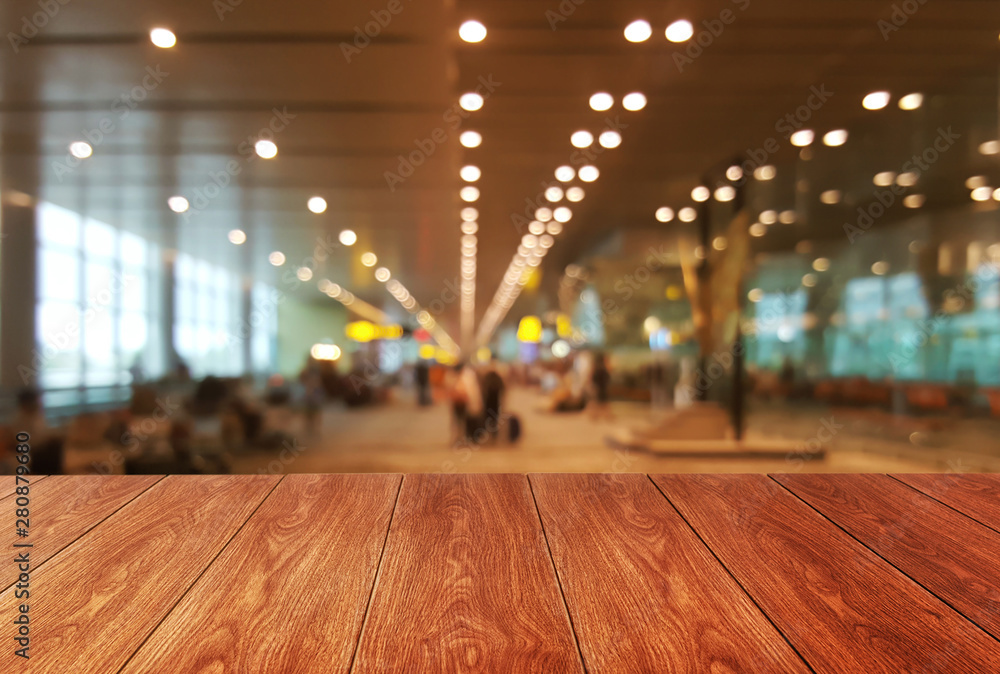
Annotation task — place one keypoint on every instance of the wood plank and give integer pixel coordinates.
(95, 602)
(466, 583)
(975, 494)
(951, 555)
(290, 592)
(674, 608)
(8, 483)
(64, 507)
(843, 608)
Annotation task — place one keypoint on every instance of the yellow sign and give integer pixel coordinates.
(564, 325)
(366, 331)
(530, 329)
(427, 351)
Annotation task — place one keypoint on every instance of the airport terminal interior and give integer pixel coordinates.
(500, 236)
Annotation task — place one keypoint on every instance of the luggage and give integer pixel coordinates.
(514, 428)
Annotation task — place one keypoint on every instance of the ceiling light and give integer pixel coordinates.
(80, 149)
(764, 173)
(536, 227)
(554, 194)
(638, 31)
(687, 214)
(562, 214)
(885, 178)
(880, 268)
(725, 193)
(610, 139)
(382, 274)
(768, 217)
(470, 214)
(554, 228)
(601, 101)
(237, 236)
(471, 101)
(529, 241)
(469, 193)
(758, 229)
(178, 204)
(664, 214)
(876, 100)
(990, 147)
(304, 273)
(470, 227)
(472, 31)
(470, 139)
(908, 179)
(911, 101)
(162, 38)
(786, 217)
(821, 264)
(575, 194)
(588, 174)
(470, 173)
(634, 101)
(830, 197)
(266, 149)
(701, 193)
(734, 173)
(755, 295)
(277, 258)
(543, 214)
(982, 194)
(809, 280)
(976, 181)
(348, 237)
(565, 173)
(803, 138)
(835, 138)
(720, 243)
(680, 31)
(316, 204)
(914, 200)
(582, 139)
(369, 259)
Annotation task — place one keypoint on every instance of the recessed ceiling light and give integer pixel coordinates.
(634, 101)
(162, 38)
(720, 243)
(914, 200)
(472, 31)
(537, 228)
(764, 173)
(976, 181)
(725, 193)
(565, 173)
(277, 258)
(830, 197)
(470, 227)
(304, 273)
(582, 139)
(880, 268)
(755, 295)
(803, 138)
(178, 204)
(911, 101)
(786, 217)
(316, 204)
(701, 193)
(348, 237)
(588, 174)
(382, 274)
(664, 214)
(80, 149)
(470, 139)
(680, 31)
(990, 147)
(562, 214)
(237, 236)
(821, 264)
(554, 228)
(835, 138)
(876, 100)
(610, 139)
(470, 173)
(638, 31)
(768, 217)
(687, 214)
(809, 280)
(469, 193)
(266, 149)
(543, 214)
(553, 194)
(470, 214)
(734, 173)
(601, 101)
(758, 229)
(369, 259)
(471, 101)
(907, 179)
(575, 194)
(982, 194)
(884, 178)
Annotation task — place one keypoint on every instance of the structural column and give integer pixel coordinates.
(18, 293)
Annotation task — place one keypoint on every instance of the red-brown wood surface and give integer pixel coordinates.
(644, 592)
(8, 483)
(977, 495)
(842, 607)
(63, 508)
(289, 593)
(953, 556)
(95, 602)
(466, 583)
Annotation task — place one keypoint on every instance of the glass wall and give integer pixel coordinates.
(207, 318)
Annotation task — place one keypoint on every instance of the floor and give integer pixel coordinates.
(509, 573)
(402, 437)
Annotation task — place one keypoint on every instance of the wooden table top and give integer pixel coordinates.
(508, 573)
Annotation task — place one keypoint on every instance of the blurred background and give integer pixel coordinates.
(731, 235)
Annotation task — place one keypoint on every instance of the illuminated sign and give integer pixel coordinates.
(365, 331)
(530, 329)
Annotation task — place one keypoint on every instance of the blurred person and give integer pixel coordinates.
(422, 377)
(684, 390)
(313, 394)
(467, 402)
(786, 376)
(493, 388)
(600, 382)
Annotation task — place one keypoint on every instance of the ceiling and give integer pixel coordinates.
(347, 121)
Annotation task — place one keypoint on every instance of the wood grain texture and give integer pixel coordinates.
(95, 602)
(977, 495)
(951, 555)
(290, 592)
(843, 608)
(644, 592)
(466, 583)
(63, 508)
(8, 483)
